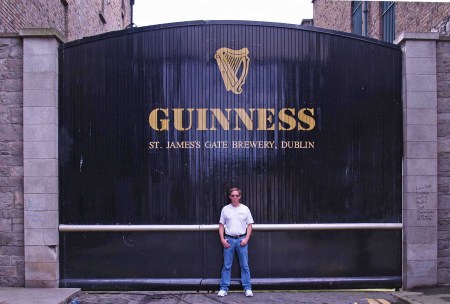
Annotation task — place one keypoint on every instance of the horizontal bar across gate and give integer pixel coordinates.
(260, 227)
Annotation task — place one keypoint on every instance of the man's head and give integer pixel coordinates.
(235, 195)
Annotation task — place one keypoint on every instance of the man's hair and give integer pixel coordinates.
(235, 189)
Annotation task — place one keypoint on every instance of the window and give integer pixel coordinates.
(388, 15)
(357, 17)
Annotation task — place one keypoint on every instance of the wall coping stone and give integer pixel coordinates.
(42, 33)
(9, 35)
(416, 36)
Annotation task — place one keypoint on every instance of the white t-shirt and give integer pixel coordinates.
(235, 219)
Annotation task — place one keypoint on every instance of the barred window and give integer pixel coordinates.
(388, 13)
(357, 17)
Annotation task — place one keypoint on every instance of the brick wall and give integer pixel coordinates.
(11, 164)
(374, 25)
(334, 15)
(75, 20)
(419, 16)
(20, 14)
(443, 108)
(443, 28)
(409, 16)
(84, 20)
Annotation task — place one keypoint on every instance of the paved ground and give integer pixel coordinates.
(20, 295)
(291, 297)
(437, 295)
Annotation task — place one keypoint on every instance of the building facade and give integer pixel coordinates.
(422, 30)
(30, 32)
(382, 20)
(73, 19)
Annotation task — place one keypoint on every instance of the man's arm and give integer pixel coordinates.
(247, 237)
(222, 236)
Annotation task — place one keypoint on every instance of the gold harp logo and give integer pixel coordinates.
(231, 62)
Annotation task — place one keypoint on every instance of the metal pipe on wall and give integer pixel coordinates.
(366, 11)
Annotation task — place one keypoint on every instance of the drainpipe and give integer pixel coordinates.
(365, 11)
(131, 20)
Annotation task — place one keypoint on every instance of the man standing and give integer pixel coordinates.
(235, 228)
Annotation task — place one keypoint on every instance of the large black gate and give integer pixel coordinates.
(157, 123)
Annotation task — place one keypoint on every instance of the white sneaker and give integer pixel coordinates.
(222, 293)
(248, 293)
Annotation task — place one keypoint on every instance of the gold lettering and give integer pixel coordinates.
(201, 120)
(204, 119)
(287, 119)
(153, 120)
(178, 119)
(265, 119)
(309, 120)
(245, 118)
(220, 117)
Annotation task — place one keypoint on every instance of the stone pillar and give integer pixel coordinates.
(419, 94)
(40, 139)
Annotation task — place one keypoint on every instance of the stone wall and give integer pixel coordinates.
(11, 163)
(443, 109)
(73, 18)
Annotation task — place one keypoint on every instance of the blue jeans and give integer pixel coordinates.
(228, 255)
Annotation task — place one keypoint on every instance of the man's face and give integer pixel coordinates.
(235, 196)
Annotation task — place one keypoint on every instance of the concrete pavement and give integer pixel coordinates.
(19, 295)
(12, 295)
(438, 295)
(234, 297)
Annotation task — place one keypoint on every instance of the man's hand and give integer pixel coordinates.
(222, 238)
(225, 243)
(249, 233)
